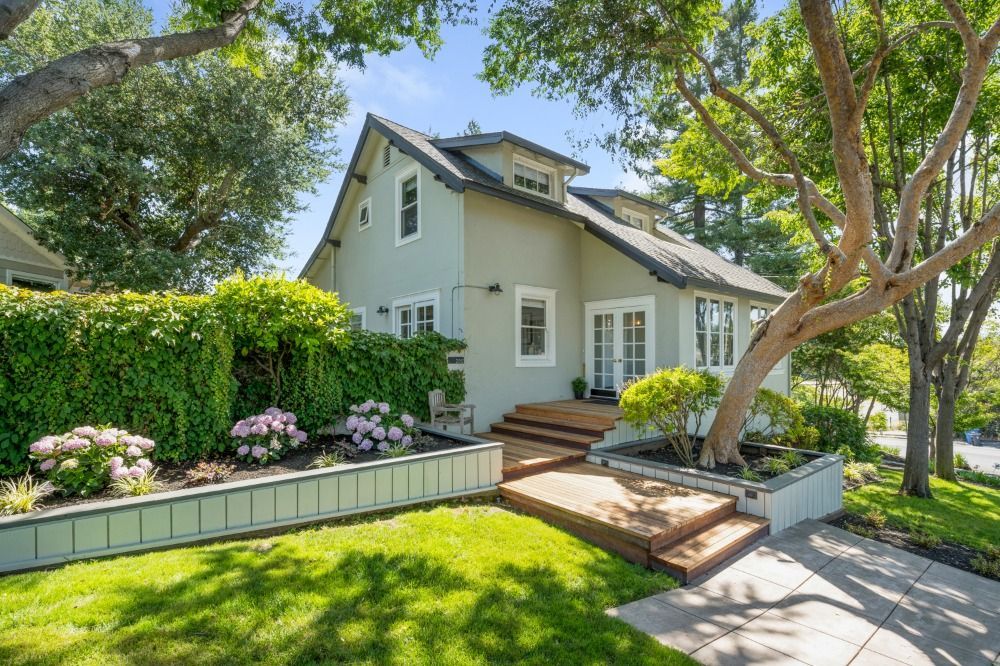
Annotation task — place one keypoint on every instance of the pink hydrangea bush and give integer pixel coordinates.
(84, 460)
(266, 437)
(375, 425)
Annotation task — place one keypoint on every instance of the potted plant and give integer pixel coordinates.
(579, 387)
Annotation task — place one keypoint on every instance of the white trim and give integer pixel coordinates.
(367, 203)
(537, 166)
(402, 176)
(363, 311)
(58, 283)
(432, 297)
(737, 354)
(643, 219)
(778, 369)
(547, 295)
(590, 308)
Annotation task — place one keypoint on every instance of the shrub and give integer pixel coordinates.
(874, 519)
(840, 429)
(878, 422)
(82, 461)
(860, 473)
(208, 471)
(155, 364)
(925, 540)
(374, 424)
(266, 437)
(136, 486)
(22, 495)
(987, 563)
(960, 462)
(672, 400)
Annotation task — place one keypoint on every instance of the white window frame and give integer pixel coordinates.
(547, 360)
(770, 307)
(367, 203)
(59, 284)
(722, 300)
(537, 166)
(412, 302)
(404, 176)
(637, 216)
(363, 311)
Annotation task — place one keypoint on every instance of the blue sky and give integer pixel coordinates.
(441, 96)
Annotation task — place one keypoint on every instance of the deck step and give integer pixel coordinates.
(562, 410)
(566, 423)
(689, 557)
(522, 456)
(546, 435)
(624, 512)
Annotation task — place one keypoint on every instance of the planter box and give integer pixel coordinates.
(813, 490)
(96, 529)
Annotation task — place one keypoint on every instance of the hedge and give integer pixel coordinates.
(182, 369)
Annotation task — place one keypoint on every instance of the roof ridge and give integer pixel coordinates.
(383, 119)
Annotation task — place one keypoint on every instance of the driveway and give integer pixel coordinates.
(985, 457)
(816, 594)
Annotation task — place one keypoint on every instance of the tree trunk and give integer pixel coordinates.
(916, 475)
(699, 218)
(944, 456)
(13, 13)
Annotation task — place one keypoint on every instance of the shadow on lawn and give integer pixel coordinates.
(294, 603)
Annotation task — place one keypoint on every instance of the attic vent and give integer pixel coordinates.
(386, 155)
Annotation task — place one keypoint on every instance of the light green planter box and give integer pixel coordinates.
(54, 536)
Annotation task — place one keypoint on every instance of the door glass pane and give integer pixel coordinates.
(728, 333)
(633, 349)
(604, 338)
(714, 322)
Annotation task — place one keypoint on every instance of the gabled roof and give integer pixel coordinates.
(615, 192)
(14, 224)
(473, 140)
(678, 261)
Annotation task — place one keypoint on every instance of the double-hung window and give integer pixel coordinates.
(416, 314)
(533, 177)
(408, 207)
(534, 326)
(714, 332)
(365, 214)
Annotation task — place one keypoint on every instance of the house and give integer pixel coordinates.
(24, 262)
(484, 238)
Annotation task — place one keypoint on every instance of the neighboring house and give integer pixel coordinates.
(23, 262)
(482, 238)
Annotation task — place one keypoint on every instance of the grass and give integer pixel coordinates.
(457, 584)
(959, 512)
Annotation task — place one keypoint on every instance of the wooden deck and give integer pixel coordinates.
(522, 456)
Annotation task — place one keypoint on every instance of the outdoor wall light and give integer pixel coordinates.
(495, 288)
(383, 310)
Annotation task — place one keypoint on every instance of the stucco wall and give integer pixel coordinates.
(512, 244)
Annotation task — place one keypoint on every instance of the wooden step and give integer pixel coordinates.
(546, 435)
(689, 557)
(602, 417)
(563, 423)
(522, 456)
(624, 512)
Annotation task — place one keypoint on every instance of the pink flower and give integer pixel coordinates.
(133, 451)
(290, 418)
(44, 445)
(146, 444)
(258, 429)
(395, 434)
(116, 462)
(135, 471)
(144, 464)
(85, 431)
(76, 443)
(243, 450)
(105, 439)
(291, 430)
(365, 445)
(242, 431)
(383, 407)
(351, 424)
(277, 426)
(119, 473)
(272, 411)
(407, 420)
(47, 464)
(406, 441)
(301, 436)
(357, 437)
(379, 433)
(258, 451)
(383, 446)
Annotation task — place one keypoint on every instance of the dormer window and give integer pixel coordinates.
(634, 219)
(533, 177)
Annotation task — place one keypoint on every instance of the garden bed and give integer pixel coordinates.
(756, 457)
(810, 490)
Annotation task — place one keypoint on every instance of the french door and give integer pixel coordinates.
(620, 343)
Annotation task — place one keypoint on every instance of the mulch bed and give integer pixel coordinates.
(172, 475)
(953, 554)
(666, 454)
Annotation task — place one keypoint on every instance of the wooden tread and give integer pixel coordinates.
(566, 423)
(576, 410)
(520, 455)
(546, 435)
(693, 555)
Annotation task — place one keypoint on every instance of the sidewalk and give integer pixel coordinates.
(816, 594)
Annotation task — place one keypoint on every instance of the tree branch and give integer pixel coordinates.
(37, 95)
(13, 13)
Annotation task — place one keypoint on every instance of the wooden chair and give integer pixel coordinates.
(443, 414)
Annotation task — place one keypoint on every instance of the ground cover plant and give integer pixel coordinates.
(458, 584)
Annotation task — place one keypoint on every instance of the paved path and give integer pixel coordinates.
(986, 457)
(818, 595)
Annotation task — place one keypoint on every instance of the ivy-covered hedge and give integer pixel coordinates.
(153, 364)
(182, 369)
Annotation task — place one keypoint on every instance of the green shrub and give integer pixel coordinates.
(987, 563)
(840, 431)
(960, 462)
(925, 540)
(878, 422)
(155, 364)
(672, 401)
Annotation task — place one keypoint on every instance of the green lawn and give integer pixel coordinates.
(959, 512)
(466, 584)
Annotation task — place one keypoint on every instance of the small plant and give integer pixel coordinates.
(266, 437)
(874, 519)
(579, 387)
(793, 458)
(136, 486)
(860, 473)
(775, 466)
(375, 425)
(329, 459)
(396, 450)
(860, 530)
(82, 461)
(960, 462)
(979, 477)
(747, 474)
(23, 495)
(207, 472)
(925, 540)
(987, 563)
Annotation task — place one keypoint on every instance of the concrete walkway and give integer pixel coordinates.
(818, 595)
